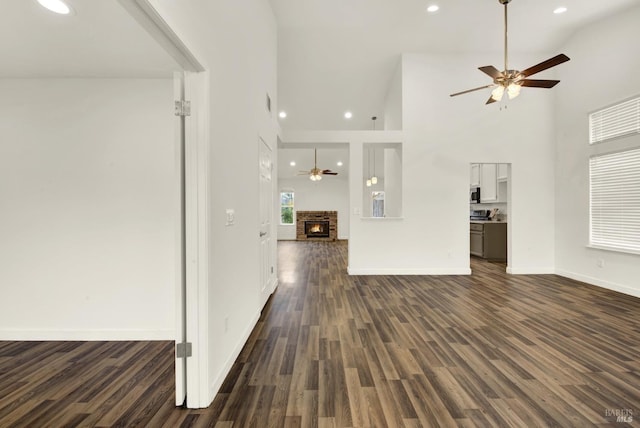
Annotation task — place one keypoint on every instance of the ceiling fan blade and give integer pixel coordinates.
(535, 83)
(551, 62)
(491, 71)
(491, 100)
(329, 173)
(471, 90)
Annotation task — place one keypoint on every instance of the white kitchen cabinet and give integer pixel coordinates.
(488, 183)
(475, 175)
(502, 191)
(503, 171)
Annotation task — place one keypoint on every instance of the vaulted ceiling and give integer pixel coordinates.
(333, 55)
(339, 55)
(99, 39)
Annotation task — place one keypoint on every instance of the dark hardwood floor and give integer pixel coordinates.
(487, 350)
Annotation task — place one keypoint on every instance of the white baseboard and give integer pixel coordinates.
(222, 374)
(85, 335)
(531, 270)
(600, 283)
(426, 271)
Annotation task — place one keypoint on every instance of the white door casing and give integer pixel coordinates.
(197, 238)
(192, 166)
(181, 283)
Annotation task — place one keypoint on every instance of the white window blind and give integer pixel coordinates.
(615, 121)
(615, 200)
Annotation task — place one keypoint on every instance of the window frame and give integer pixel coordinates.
(600, 243)
(634, 111)
(290, 206)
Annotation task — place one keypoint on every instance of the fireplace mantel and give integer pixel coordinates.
(320, 216)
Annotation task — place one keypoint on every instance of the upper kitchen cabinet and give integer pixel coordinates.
(492, 179)
(503, 171)
(488, 183)
(503, 182)
(475, 175)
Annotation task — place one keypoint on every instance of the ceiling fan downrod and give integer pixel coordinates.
(506, 57)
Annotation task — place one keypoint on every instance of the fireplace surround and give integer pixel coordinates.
(317, 225)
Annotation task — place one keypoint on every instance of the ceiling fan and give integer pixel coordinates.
(511, 81)
(315, 173)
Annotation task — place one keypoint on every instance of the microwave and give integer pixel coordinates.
(475, 195)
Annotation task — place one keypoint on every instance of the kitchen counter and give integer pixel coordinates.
(486, 221)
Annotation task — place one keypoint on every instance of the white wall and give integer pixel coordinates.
(393, 102)
(393, 182)
(329, 194)
(442, 136)
(236, 42)
(607, 48)
(88, 209)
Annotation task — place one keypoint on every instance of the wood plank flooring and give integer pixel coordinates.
(332, 350)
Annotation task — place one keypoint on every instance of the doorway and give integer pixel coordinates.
(489, 214)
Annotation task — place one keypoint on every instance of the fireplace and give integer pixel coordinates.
(316, 225)
(316, 229)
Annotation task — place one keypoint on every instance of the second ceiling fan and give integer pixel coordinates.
(315, 173)
(511, 81)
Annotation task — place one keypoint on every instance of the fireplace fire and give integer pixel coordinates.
(316, 229)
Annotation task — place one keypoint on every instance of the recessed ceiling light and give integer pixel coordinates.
(348, 115)
(282, 114)
(433, 8)
(560, 10)
(292, 163)
(57, 6)
(339, 163)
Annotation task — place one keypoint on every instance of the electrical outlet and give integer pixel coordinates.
(600, 263)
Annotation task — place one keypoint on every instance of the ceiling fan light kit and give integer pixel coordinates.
(512, 81)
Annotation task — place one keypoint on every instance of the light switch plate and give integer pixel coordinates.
(231, 217)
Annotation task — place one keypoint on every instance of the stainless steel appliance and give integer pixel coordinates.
(479, 215)
(475, 195)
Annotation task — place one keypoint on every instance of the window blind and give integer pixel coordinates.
(615, 200)
(615, 121)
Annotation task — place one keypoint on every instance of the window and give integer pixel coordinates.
(615, 200)
(377, 207)
(382, 180)
(286, 208)
(616, 121)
